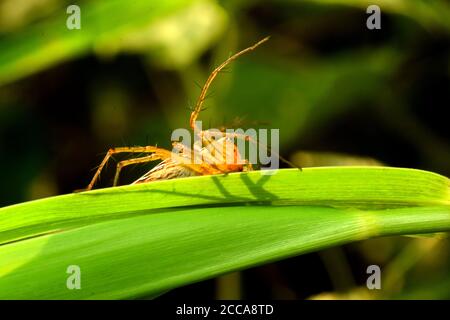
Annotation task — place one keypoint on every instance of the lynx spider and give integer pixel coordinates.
(176, 165)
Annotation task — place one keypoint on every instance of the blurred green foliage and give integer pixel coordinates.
(331, 85)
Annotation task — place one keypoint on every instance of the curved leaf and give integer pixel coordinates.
(157, 236)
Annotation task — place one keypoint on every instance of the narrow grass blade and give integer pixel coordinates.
(146, 239)
(357, 187)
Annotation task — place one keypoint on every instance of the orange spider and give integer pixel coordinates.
(210, 157)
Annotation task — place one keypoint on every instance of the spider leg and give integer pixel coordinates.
(125, 163)
(212, 76)
(113, 151)
(158, 153)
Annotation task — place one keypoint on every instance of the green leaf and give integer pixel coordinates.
(106, 27)
(145, 239)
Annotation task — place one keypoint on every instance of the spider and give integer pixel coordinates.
(210, 155)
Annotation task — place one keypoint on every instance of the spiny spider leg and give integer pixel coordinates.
(213, 75)
(124, 163)
(112, 151)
